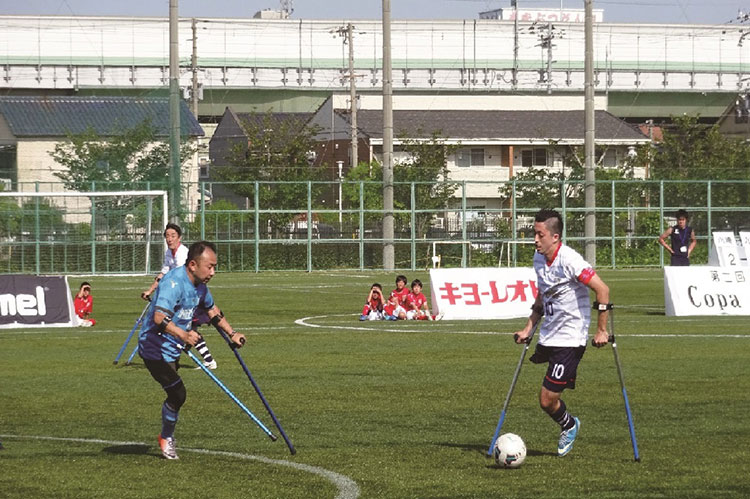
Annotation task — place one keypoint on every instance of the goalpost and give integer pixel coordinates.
(81, 232)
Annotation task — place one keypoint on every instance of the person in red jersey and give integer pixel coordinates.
(373, 309)
(83, 303)
(416, 303)
(395, 308)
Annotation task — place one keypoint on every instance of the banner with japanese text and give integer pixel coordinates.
(706, 290)
(483, 293)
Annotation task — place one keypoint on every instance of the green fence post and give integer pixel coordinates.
(361, 225)
(463, 223)
(37, 249)
(309, 226)
(413, 229)
(513, 224)
(708, 218)
(661, 219)
(203, 212)
(612, 236)
(564, 206)
(256, 202)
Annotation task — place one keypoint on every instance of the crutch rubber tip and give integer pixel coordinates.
(273, 437)
(115, 362)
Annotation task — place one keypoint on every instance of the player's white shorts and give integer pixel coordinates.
(413, 314)
(375, 316)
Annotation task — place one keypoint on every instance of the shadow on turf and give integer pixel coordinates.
(482, 448)
(131, 449)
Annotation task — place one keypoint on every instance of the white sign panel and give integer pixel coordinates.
(707, 290)
(725, 252)
(744, 247)
(483, 293)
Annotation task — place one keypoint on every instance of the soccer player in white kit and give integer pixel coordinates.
(176, 256)
(563, 280)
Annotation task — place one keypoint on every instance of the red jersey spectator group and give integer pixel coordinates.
(402, 304)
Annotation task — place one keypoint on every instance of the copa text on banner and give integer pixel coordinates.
(35, 301)
(483, 293)
(706, 290)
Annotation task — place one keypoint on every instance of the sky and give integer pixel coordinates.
(630, 11)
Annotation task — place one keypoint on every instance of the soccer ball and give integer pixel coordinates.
(509, 450)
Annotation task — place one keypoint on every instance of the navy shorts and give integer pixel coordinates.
(563, 364)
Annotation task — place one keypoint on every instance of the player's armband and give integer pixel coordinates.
(603, 307)
(538, 309)
(164, 323)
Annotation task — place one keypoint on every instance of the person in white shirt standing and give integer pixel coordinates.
(563, 280)
(175, 256)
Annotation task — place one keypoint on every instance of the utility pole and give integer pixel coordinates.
(388, 249)
(194, 70)
(514, 3)
(589, 138)
(174, 110)
(352, 95)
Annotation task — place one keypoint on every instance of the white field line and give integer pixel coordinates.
(304, 322)
(347, 488)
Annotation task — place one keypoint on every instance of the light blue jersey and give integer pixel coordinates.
(178, 298)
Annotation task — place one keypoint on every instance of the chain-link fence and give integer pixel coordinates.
(308, 226)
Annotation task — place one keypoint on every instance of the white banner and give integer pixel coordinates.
(483, 293)
(704, 290)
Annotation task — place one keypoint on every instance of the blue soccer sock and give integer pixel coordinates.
(168, 420)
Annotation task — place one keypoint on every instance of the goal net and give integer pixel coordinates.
(82, 232)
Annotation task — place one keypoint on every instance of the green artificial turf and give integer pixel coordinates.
(378, 409)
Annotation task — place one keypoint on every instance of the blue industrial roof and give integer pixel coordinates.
(39, 116)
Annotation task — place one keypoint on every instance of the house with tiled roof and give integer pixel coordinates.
(497, 137)
(31, 127)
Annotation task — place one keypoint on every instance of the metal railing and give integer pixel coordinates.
(313, 228)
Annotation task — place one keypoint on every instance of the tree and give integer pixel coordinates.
(425, 165)
(691, 150)
(276, 153)
(127, 157)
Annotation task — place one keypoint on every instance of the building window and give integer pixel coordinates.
(470, 157)
(203, 168)
(477, 157)
(534, 157)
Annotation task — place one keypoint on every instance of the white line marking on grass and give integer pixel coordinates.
(347, 488)
(303, 322)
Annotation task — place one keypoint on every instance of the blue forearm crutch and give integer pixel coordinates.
(233, 346)
(132, 331)
(512, 386)
(223, 388)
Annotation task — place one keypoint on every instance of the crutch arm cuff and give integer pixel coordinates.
(603, 307)
(537, 309)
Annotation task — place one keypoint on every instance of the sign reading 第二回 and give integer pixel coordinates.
(706, 290)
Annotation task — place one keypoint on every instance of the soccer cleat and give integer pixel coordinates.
(567, 437)
(363, 317)
(168, 447)
(209, 365)
(439, 316)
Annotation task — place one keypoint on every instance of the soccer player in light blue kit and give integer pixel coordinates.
(563, 279)
(171, 313)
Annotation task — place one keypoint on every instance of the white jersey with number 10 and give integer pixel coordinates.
(565, 298)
